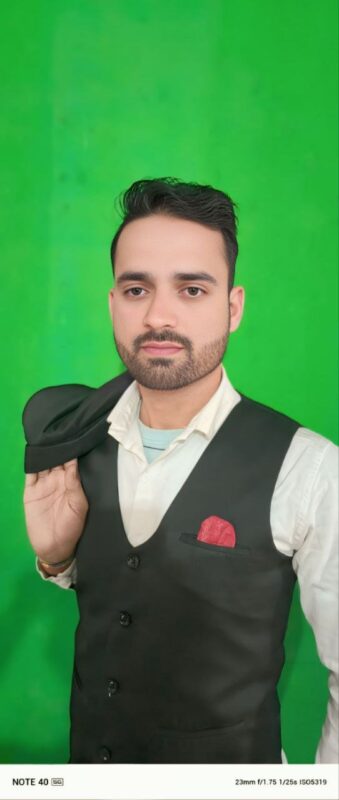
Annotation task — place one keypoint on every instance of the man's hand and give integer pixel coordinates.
(55, 508)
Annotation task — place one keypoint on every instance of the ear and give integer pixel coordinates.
(237, 304)
(111, 302)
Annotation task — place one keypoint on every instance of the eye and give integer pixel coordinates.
(195, 289)
(134, 289)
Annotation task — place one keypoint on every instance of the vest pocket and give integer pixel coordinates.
(210, 746)
(190, 538)
(252, 554)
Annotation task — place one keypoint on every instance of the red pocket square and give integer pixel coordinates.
(216, 530)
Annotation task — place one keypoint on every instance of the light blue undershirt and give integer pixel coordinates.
(155, 441)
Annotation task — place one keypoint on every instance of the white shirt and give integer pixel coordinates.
(303, 514)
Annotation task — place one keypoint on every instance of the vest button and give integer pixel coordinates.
(125, 618)
(133, 561)
(105, 754)
(112, 687)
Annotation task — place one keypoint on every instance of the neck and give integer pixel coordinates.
(175, 408)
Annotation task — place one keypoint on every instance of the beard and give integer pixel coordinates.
(165, 373)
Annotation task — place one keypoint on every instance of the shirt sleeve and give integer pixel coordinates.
(316, 565)
(65, 579)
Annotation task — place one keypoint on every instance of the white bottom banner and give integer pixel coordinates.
(169, 782)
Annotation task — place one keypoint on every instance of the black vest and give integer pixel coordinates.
(179, 647)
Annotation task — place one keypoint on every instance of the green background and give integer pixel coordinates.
(95, 95)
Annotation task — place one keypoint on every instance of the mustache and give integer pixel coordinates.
(162, 337)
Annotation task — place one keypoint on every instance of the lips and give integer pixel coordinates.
(161, 349)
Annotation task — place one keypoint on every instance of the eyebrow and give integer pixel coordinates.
(178, 276)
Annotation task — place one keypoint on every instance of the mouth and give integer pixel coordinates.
(161, 349)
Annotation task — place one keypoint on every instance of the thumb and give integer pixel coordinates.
(73, 486)
(71, 473)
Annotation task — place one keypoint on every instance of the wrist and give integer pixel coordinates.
(54, 567)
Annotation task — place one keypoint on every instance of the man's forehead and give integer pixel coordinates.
(152, 245)
(153, 234)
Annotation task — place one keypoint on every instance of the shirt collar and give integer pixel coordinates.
(124, 416)
(222, 401)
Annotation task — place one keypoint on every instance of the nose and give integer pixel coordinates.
(159, 312)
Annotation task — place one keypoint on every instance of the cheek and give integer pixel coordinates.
(126, 320)
(222, 315)
(211, 321)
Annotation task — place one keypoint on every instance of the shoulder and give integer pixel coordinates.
(267, 420)
(313, 452)
(306, 445)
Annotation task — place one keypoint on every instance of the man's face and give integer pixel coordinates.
(170, 307)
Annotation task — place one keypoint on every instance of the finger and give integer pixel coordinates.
(43, 473)
(31, 478)
(72, 463)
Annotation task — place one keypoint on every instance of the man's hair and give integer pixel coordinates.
(191, 201)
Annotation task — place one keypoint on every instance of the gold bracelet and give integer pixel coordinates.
(58, 563)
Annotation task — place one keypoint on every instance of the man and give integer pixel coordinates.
(180, 510)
